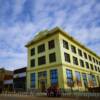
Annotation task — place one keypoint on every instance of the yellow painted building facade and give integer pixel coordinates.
(55, 58)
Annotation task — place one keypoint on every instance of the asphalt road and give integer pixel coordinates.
(29, 98)
(42, 98)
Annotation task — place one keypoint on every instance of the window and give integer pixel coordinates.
(85, 80)
(69, 77)
(95, 68)
(52, 57)
(54, 77)
(32, 62)
(51, 44)
(41, 48)
(94, 80)
(42, 74)
(80, 52)
(90, 58)
(73, 48)
(65, 44)
(41, 60)
(75, 60)
(90, 80)
(33, 79)
(81, 63)
(98, 69)
(91, 65)
(94, 60)
(85, 55)
(32, 51)
(78, 78)
(98, 78)
(97, 61)
(67, 57)
(87, 65)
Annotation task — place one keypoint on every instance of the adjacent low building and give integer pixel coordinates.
(8, 82)
(19, 79)
(1, 78)
(6, 79)
(56, 58)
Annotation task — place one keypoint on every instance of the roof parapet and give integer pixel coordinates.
(45, 32)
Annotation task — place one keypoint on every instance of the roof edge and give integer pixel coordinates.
(70, 37)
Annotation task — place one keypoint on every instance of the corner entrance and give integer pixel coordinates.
(42, 84)
(42, 80)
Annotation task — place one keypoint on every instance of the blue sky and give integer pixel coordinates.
(20, 20)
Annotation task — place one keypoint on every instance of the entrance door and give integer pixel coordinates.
(42, 80)
(43, 85)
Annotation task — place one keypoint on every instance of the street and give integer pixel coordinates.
(30, 98)
(13, 97)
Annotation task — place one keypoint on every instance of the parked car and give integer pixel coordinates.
(53, 91)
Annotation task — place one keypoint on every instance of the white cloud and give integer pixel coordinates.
(18, 7)
(12, 59)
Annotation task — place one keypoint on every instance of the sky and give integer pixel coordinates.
(20, 20)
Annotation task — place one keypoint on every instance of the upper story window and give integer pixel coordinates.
(81, 63)
(67, 57)
(80, 52)
(41, 48)
(52, 57)
(95, 68)
(75, 60)
(51, 44)
(85, 55)
(41, 60)
(91, 65)
(98, 69)
(97, 61)
(73, 48)
(32, 51)
(65, 44)
(87, 65)
(32, 63)
(93, 59)
(90, 58)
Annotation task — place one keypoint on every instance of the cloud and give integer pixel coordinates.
(20, 20)
(10, 59)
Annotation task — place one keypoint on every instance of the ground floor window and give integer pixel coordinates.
(54, 77)
(92, 80)
(85, 80)
(33, 79)
(69, 77)
(78, 79)
(98, 80)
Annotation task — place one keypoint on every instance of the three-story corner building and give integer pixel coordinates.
(55, 58)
